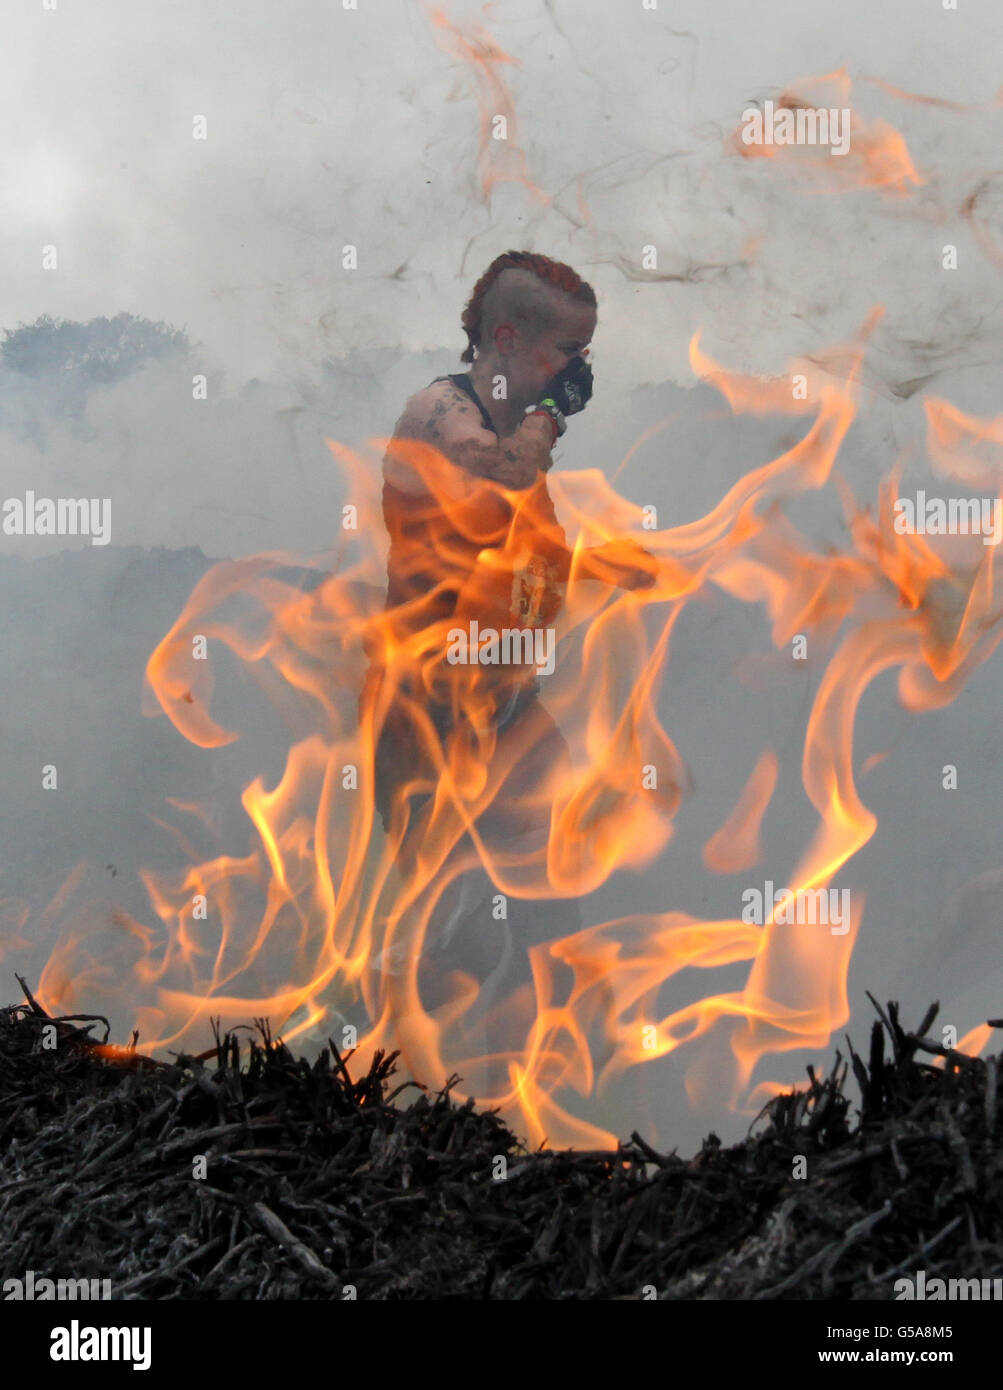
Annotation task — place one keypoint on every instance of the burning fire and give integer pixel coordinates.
(326, 912)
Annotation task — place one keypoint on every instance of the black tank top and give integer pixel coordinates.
(463, 381)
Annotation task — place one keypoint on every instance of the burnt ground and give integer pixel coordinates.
(316, 1185)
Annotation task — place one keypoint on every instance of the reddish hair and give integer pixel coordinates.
(554, 273)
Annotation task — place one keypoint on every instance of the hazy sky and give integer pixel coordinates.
(327, 126)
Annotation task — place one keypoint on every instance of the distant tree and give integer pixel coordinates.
(98, 352)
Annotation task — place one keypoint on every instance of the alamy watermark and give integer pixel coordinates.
(955, 516)
(39, 1288)
(800, 125)
(828, 907)
(58, 516)
(76, 1343)
(921, 1289)
(509, 646)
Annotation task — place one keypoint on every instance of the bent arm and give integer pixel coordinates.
(444, 417)
(448, 421)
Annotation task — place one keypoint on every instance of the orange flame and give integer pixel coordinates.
(324, 912)
(501, 158)
(736, 845)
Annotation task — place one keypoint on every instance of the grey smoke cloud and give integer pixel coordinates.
(327, 127)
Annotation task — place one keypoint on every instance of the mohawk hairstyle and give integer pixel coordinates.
(553, 273)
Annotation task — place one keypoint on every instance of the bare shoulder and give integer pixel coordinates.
(447, 418)
(444, 416)
(439, 410)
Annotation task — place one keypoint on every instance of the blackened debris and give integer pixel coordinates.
(315, 1185)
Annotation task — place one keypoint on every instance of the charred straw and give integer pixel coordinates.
(247, 1173)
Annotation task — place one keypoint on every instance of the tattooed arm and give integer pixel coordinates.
(442, 415)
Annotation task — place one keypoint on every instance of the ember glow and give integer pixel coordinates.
(327, 916)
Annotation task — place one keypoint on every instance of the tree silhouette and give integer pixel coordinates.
(49, 368)
(98, 352)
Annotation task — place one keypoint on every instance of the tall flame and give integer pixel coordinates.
(325, 911)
